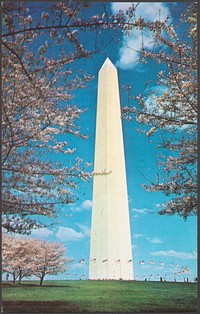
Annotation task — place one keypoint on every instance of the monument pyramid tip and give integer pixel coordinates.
(107, 62)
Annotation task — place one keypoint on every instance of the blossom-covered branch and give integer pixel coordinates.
(172, 111)
(24, 257)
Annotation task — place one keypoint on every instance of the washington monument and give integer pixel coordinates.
(110, 247)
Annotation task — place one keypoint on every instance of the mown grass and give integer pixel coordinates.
(99, 296)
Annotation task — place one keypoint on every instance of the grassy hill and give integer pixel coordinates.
(99, 296)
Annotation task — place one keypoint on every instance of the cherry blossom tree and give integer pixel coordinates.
(16, 257)
(24, 257)
(36, 110)
(41, 51)
(7, 257)
(172, 111)
(41, 73)
(47, 258)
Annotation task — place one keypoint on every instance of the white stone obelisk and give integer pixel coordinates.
(110, 246)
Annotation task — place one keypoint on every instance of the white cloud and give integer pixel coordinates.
(140, 211)
(150, 11)
(131, 44)
(42, 232)
(151, 100)
(155, 241)
(137, 235)
(68, 234)
(85, 229)
(158, 205)
(172, 253)
(86, 205)
(116, 6)
(151, 240)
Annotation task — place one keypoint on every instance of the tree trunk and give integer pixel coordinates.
(20, 278)
(41, 279)
(14, 279)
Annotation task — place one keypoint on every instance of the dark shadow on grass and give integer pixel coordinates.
(40, 307)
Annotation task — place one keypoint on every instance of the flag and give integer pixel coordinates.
(141, 262)
(82, 261)
(161, 264)
(104, 260)
(130, 260)
(93, 260)
(186, 270)
(151, 262)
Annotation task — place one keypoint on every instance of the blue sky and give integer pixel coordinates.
(154, 238)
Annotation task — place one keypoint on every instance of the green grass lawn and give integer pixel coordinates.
(99, 296)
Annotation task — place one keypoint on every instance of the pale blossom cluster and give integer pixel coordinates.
(39, 105)
(24, 257)
(171, 111)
